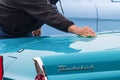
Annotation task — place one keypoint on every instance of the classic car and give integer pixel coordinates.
(62, 56)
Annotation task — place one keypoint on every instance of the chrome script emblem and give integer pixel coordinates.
(63, 68)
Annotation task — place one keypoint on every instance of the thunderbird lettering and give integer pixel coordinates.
(62, 68)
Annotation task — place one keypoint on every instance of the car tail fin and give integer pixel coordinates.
(1, 67)
(39, 69)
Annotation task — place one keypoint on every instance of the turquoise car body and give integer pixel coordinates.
(67, 56)
(64, 57)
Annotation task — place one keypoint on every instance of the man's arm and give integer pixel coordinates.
(47, 13)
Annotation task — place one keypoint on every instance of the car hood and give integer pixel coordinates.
(62, 44)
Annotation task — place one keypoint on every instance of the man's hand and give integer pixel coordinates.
(82, 31)
(36, 32)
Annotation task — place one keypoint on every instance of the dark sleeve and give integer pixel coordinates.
(53, 1)
(46, 12)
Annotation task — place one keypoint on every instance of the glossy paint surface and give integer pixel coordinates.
(64, 57)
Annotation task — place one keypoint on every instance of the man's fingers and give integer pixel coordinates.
(36, 32)
(88, 34)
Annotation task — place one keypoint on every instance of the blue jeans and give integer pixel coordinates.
(4, 35)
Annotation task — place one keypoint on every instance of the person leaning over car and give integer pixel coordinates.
(18, 18)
